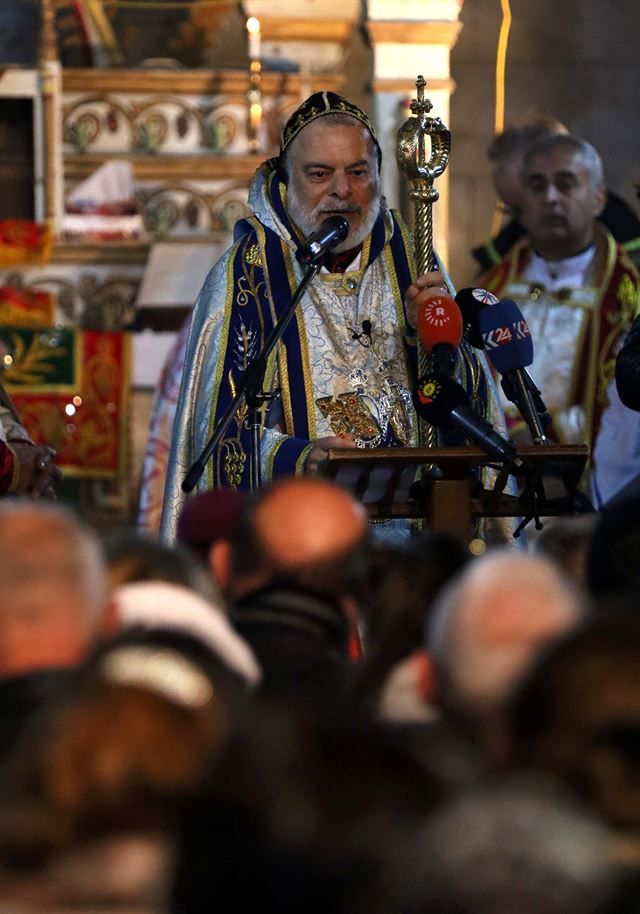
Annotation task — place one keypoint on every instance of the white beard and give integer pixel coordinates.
(308, 220)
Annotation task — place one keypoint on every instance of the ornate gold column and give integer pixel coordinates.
(51, 86)
(409, 37)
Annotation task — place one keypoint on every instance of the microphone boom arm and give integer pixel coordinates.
(249, 388)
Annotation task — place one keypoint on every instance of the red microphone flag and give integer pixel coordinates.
(440, 321)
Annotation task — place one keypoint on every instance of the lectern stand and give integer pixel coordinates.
(442, 485)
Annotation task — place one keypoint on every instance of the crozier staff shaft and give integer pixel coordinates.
(412, 160)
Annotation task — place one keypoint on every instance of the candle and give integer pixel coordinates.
(255, 117)
(253, 31)
(254, 95)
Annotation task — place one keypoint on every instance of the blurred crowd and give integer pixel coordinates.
(280, 714)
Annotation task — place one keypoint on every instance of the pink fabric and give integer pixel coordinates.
(154, 471)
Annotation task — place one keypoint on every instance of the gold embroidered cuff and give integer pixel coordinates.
(272, 456)
(302, 459)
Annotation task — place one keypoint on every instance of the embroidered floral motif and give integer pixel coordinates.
(245, 345)
(627, 295)
(233, 464)
(242, 295)
(252, 257)
(350, 416)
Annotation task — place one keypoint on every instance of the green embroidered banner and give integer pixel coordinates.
(71, 389)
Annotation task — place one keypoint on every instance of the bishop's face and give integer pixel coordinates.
(333, 169)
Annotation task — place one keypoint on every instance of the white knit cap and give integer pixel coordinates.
(155, 604)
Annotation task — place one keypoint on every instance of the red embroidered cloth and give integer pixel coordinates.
(71, 389)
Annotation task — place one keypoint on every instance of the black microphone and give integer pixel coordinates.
(330, 233)
(471, 301)
(442, 402)
(475, 306)
(367, 328)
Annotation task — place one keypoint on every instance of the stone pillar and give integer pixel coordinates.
(412, 38)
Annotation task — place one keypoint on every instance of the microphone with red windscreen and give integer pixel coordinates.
(440, 330)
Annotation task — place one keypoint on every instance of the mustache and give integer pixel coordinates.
(345, 208)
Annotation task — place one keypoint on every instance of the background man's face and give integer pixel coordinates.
(333, 169)
(560, 203)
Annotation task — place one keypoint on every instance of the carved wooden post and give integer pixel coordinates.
(51, 80)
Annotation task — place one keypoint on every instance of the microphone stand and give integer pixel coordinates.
(518, 391)
(249, 388)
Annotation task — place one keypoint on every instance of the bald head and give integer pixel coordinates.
(492, 622)
(305, 529)
(308, 520)
(52, 590)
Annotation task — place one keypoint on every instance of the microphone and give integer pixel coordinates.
(330, 233)
(508, 344)
(471, 301)
(440, 330)
(442, 402)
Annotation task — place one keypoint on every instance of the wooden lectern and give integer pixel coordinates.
(442, 485)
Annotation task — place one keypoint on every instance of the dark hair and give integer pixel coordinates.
(515, 140)
(134, 557)
(546, 145)
(612, 562)
(302, 817)
(118, 754)
(576, 714)
(403, 583)
(566, 541)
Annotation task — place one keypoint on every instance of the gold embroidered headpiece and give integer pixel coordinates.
(319, 105)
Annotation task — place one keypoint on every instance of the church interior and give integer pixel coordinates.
(352, 627)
